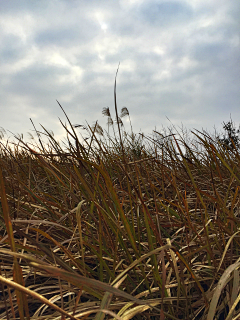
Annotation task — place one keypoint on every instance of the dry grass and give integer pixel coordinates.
(119, 229)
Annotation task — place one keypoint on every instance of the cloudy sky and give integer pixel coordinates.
(178, 59)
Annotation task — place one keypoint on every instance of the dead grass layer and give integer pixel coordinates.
(134, 228)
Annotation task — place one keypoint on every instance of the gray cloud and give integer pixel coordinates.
(11, 49)
(179, 59)
(165, 13)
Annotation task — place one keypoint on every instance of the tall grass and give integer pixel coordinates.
(136, 227)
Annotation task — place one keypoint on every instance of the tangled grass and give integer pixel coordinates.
(135, 227)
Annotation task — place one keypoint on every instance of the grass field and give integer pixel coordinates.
(119, 226)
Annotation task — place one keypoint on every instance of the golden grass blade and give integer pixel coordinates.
(78, 215)
(234, 296)
(221, 284)
(107, 300)
(174, 260)
(17, 271)
(81, 281)
(139, 260)
(35, 295)
(129, 314)
(67, 252)
(85, 314)
(226, 249)
(6, 213)
(44, 249)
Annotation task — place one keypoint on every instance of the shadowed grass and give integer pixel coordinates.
(144, 227)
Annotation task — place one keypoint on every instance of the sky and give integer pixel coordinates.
(179, 63)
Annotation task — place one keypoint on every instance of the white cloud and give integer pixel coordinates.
(19, 26)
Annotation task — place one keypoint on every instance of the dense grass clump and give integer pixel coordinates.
(119, 226)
